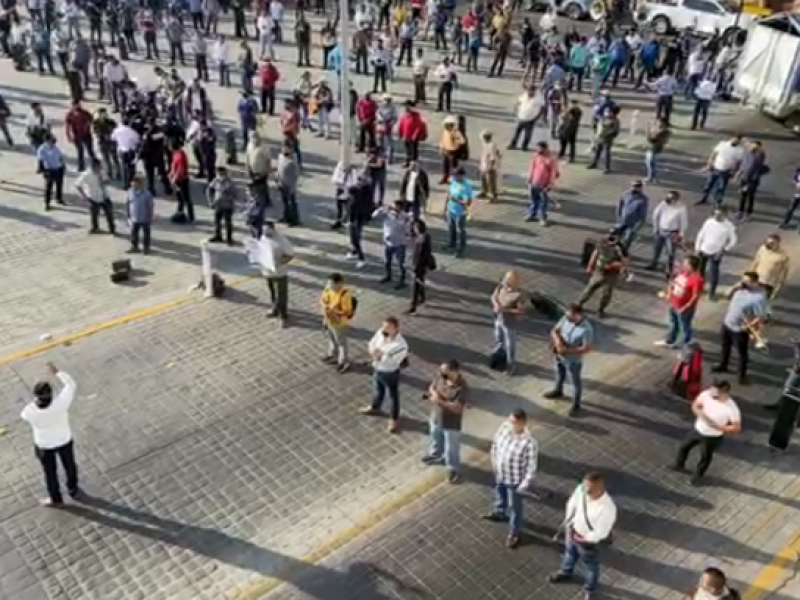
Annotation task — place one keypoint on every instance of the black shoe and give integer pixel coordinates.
(772, 407)
(272, 314)
(744, 380)
(560, 577)
(328, 360)
(215, 239)
(574, 412)
(343, 367)
(651, 267)
(495, 518)
(719, 369)
(553, 395)
(75, 493)
(677, 468)
(701, 202)
(400, 285)
(696, 480)
(453, 478)
(385, 280)
(432, 460)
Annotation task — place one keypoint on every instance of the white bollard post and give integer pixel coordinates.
(633, 127)
(208, 269)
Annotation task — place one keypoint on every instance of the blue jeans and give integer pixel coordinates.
(508, 502)
(323, 121)
(664, 241)
(389, 254)
(568, 369)
(573, 552)
(84, 146)
(247, 129)
(539, 201)
(445, 443)
(627, 235)
(680, 326)
(712, 266)
(387, 382)
(356, 230)
(457, 228)
(716, 185)
(651, 164)
(505, 339)
(603, 150)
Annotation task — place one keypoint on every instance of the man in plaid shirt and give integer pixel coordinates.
(514, 459)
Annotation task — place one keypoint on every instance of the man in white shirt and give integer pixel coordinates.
(389, 352)
(91, 185)
(448, 81)
(590, 518)
(265, 27)
(716, 237)
(127, 141)
(716, 414)
(723, 163)
(528, 108)
(115, 75)
(665, 88)
(670, 222)
(276, 16)
(419, 72)
(704, 94)
(695, 68)
(515, 458)
(223, 58)
(48, 416)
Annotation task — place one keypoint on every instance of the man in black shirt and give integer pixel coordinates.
(153, 155)
(448, 396)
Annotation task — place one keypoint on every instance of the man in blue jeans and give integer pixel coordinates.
(572, 339)
(515, 455)
(590, 518)
(457, 211)
(448, 396)
(683, 294)
(723, 164)
(389, 352)
(508, 306)
(396, 233)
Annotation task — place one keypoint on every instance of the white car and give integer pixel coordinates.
(703, 16)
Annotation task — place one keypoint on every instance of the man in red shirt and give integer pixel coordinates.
(683, 294)
(269, 76)
(78, 123)
(366, 113)
(290, 126)
(412, 130)
(179, 176)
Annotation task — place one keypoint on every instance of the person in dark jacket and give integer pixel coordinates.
(153, 155)
(359, 211)
(422, 261)
(754, 167)
(415, 189)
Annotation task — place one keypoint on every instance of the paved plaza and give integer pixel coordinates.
(223, 460)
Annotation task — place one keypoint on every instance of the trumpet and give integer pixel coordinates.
(756, 333)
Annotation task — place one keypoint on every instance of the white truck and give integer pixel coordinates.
(703, 16)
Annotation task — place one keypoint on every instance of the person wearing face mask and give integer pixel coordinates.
(670, 222)
(723, 163)
(396, 231)
(746, 313)
(389, 352)
(716, 415)
(572, 339)
(515, 457)
(48, 416)
(278, 254)
(716, 238)
(771, 264)
(448, 396)
(713, 585)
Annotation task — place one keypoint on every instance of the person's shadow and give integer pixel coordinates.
(360, 579)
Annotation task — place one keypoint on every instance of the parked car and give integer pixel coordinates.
(703, 16)
(577, 10)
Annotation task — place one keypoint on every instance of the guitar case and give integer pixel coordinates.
(589, 246)
(547, 306)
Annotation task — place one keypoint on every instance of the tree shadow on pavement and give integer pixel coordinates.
(314, 580)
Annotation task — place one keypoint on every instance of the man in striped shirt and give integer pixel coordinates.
(514, 459)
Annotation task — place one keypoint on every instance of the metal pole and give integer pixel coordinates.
(344, 84)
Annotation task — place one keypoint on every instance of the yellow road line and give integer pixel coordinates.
(776, 572)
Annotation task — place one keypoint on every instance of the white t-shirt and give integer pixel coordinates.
(91, 184)
(706, 90)
(721, 413)
(393, 352)
(127, 139)
(51, 425)
(696, 64)
(264, 24)
(727, 157)
(528, 107)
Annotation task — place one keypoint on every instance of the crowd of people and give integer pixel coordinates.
(160, 121)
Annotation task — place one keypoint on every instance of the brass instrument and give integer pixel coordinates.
(756, 334)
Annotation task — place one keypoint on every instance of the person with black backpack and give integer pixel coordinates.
(713, 585)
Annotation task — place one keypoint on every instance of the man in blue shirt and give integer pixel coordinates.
(52, 168)
(747, 309)
(247, 109)
(139, 208)
(572, 338)
(457, 211)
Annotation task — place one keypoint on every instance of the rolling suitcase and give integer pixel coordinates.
(785, 423)
(547, 306)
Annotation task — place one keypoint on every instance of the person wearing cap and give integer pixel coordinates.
(451, 145)
(457, 211)
(48, 416)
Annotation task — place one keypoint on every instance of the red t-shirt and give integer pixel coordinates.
(180, 165)
(683, 288)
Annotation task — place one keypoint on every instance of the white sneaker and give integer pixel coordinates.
(360, 264)
(350, 256)
(662, 344)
